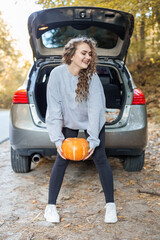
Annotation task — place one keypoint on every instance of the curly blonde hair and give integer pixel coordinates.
(85, 75)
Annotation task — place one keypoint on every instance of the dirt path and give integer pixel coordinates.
(81, 202)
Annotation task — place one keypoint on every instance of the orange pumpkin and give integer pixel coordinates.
(75, 149)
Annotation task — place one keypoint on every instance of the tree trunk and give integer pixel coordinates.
(142, 37)
(158, 17)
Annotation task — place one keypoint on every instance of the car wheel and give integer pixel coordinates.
(133, 163)
(20, 164)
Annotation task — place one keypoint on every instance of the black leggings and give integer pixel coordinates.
(101, 163)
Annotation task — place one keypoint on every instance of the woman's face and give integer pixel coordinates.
(82, 57)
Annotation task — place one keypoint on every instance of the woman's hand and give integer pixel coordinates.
(59, 150)
(90, 152)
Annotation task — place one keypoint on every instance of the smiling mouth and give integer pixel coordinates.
(86, 62)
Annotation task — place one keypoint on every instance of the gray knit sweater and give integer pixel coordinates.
(64, 111)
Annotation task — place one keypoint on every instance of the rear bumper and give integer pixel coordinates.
(53, 151)
(27, 138)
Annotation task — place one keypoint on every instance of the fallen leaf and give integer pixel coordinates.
(147, 166)
(28, 177)
(68, 225)
(131, 182)
(62, 219)
(119, 208)
(142, 195)
(80, 226)
(150, 211)
(156, 184)
(147, 178)
(120, 217)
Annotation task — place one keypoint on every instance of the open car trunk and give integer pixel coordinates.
(51, 29)
(112, 85)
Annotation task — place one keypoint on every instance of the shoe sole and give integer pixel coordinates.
(113, 221)
(51, 220)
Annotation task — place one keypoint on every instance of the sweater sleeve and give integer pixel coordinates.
(96, 111)
(54, 117)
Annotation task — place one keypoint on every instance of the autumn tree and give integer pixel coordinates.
(12, 70)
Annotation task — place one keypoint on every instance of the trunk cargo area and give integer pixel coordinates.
(112, 85)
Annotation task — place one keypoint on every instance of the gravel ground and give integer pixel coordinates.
(81, 203)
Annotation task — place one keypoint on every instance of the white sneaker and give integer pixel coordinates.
(111, 215)
(51, 214)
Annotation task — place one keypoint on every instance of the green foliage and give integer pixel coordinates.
(12, 70)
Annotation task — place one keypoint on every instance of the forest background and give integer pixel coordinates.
(143, 59)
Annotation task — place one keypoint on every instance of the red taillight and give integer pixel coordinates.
(138, 97)
(20, 96)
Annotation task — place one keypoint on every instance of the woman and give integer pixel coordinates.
(75, 100)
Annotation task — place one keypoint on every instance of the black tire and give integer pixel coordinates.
(133, 163)
(20, 164)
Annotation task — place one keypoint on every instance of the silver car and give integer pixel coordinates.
(126, 118)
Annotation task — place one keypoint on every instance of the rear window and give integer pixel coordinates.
(58, 37)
